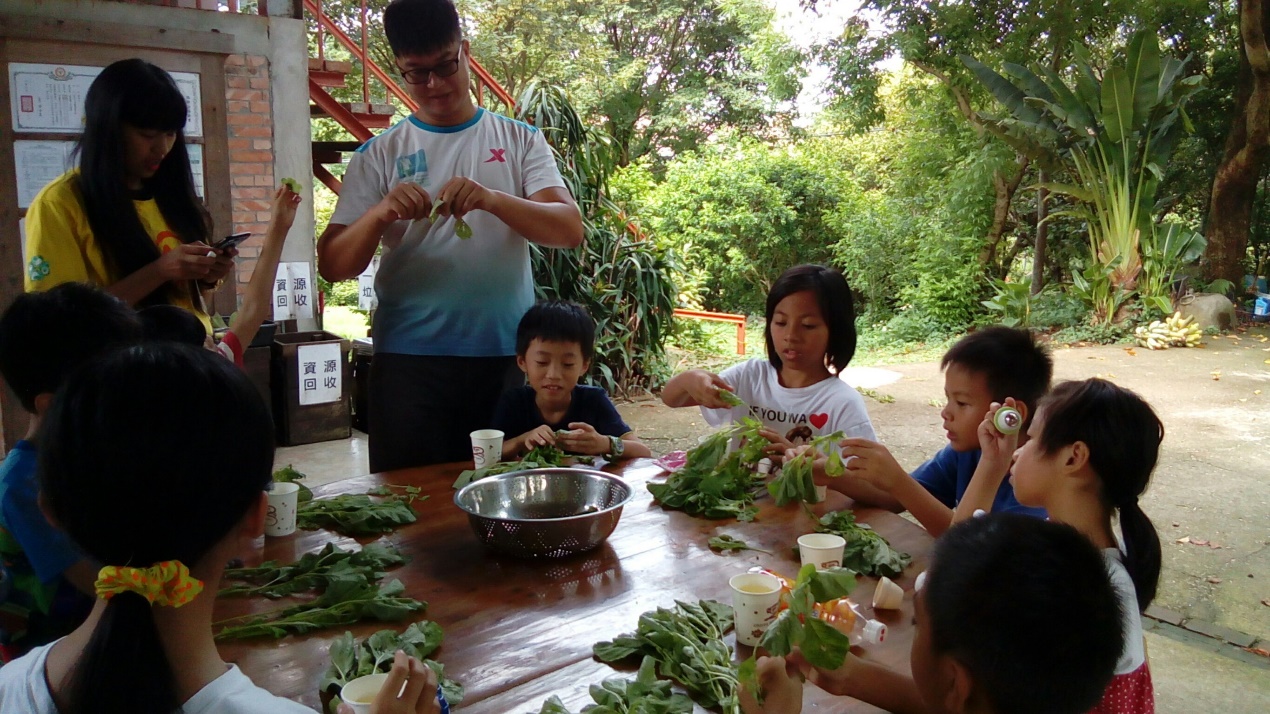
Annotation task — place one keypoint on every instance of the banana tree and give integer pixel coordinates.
(1113, 131)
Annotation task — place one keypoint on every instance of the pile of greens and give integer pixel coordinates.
(356, 514)
(540, 457)
(795, 483)
(714, 483)
(288, 474)
(347, 599)
(351, 659)
(822, 644)
(687, 644)
(313, 571)
(866, 552)
(726, 542)
(643, 695)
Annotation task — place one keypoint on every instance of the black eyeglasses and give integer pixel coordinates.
(420, 75)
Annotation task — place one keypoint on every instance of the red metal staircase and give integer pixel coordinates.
(358, 118)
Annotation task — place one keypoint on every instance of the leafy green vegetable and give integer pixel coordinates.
(795, 482)
(291, 184)
(617, 695)
(346, 600)
(355, 514)
(799, 626)
(351, 659)
(462, 229)
(539, 457)
(687, 644)
(714, 483)
(312, 571)
(729, 398)
(866, 551)
(288, 474)
(436, 206)
(726, 542)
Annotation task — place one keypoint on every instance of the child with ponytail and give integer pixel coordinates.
(1091, 449)
(126, 483)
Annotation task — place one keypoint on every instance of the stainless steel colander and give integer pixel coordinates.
(544, 512)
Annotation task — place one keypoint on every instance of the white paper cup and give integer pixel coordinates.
(824, 550)
(284, 498)
(756, 600)
(822, 492)
(487, 447)
(361, 692)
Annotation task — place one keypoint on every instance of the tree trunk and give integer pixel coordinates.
(1005, 190)
(1042, 236)
(1247, 148)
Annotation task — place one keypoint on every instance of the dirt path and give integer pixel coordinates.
(1212, 485)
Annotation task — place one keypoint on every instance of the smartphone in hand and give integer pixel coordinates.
(230, 241)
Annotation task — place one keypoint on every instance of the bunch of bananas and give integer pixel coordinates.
(1175, 331)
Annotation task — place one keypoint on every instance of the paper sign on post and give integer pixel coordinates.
(320, 373)
(292, 292)
(367, 299)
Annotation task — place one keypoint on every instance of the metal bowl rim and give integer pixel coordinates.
(630, 493)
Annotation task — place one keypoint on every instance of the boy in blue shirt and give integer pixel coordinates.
(983, 367)
(48, 583)
(555, 342)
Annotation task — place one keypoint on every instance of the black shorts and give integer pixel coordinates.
(423, 410)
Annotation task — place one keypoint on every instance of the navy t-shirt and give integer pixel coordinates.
(517, 412)
(947, 475)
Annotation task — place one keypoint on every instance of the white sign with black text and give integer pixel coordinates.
(321, 379)
(292, 292)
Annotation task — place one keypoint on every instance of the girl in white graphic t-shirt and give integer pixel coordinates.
(796, 392)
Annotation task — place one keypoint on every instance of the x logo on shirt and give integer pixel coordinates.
(497, 156)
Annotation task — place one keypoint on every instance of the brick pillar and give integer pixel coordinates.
(249, 116)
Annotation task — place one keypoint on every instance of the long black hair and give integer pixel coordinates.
(118, 474)
(833, 295)
(1123, 434)
(139, 94)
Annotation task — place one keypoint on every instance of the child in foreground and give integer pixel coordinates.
(43, 338)
(555, 342)
(794, 393)
(119, 475)
(1016, 616)
(1092, 449)
(986, 366)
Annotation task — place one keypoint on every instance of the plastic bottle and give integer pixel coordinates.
(845, 616)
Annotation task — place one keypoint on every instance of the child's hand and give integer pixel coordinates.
(781, 685)
(872, 462)
(841, 681)
(540, 436)
(998, 448)
(705, 390)
(285, 202)
(778, 446)
(582, 438)
(419, 696)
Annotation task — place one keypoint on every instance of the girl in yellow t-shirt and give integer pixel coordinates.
(127, 219)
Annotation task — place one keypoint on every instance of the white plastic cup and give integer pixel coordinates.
(822, 492)
(756, 600)
(361, 692)
(823, 550)
(487, 447)
(284, 498)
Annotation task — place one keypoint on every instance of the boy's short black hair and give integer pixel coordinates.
(420, 27)
(836, 307)
(1011, 361)
(1027, 606)
(169, 323)
(557, 321)
(45, 336)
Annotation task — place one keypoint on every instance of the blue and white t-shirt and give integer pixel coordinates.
(440, 295)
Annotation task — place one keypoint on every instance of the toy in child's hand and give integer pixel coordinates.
(1007, 420)
(292, 185)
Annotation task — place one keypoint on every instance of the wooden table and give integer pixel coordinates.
(518, 631)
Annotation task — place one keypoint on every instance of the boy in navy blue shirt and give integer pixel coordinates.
(555, 342)
(983, 367)
(43, 338)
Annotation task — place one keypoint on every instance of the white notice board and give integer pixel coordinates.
(49, 98)
(37, 163)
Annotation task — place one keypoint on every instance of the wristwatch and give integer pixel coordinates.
(616, 447)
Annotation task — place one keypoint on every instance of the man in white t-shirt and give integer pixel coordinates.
(445, 328)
